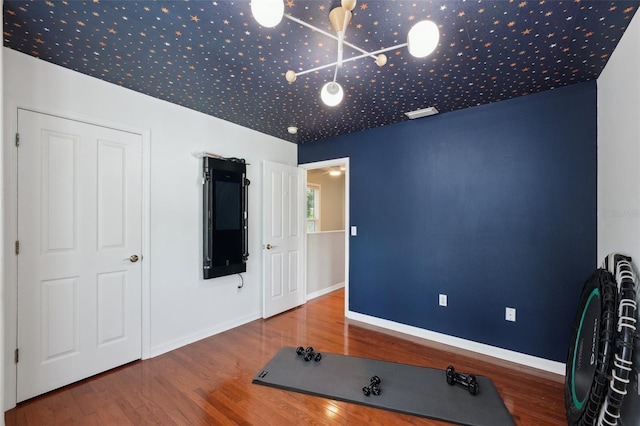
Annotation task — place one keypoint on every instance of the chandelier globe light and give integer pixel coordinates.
(422, 40)
(331, 94)
(267, 13)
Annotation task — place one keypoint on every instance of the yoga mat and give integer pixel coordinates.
(408, 389)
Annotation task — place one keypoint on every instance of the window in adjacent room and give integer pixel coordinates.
(313, 207)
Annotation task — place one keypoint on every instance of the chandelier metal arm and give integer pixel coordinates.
(422, 39)
(398, 46)
(341, 35)
(353, 46)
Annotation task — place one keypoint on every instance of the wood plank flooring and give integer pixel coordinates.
(209, 382)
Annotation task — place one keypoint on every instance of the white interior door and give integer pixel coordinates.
(79, 230)
(283, 238)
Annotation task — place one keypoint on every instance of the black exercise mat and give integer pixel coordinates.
(409, 389)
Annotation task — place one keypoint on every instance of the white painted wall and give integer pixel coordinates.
(618, 165)
(325, 262)
(619, 148)
(183, 307)
(3, 269)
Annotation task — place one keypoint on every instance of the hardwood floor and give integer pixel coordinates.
(209, 382)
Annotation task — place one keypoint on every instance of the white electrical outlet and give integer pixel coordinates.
(442, 300)
(510, 314)
(354, 231)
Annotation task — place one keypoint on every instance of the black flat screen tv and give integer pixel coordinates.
(225, 217)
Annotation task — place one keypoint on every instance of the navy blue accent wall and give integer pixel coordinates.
(494, 206)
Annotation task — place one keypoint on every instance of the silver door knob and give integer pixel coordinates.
(268, 246)
(133, 258)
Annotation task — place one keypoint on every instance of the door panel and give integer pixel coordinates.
(112, 293)
(79, 221)
(276, 275)
(59, 215)
(111, 194)
(294, 282)
(59, 318)
(283, 238)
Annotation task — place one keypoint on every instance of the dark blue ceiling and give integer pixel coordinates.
(213, 57)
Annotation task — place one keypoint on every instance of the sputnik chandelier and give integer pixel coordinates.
(422, 39)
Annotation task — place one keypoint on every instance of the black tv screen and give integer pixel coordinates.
(225, 217)
(228, 205)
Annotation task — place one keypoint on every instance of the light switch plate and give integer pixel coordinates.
(442, 300)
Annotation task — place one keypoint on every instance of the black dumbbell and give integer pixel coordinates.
(316, 356)
(302, 351)
(373, 388)
(467, 380)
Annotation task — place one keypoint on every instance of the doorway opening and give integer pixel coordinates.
(327, 222)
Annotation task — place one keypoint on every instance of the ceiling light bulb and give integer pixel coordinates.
(334, 172)
(381, 60)
(423, 39)
(292, 130)
(290, 76)
(268, 13)
(331, 93)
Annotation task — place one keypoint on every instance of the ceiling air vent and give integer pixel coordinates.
(419, 113)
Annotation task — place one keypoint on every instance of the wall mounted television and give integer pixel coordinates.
(225, 217)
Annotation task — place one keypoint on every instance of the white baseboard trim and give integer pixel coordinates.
(492, 351)
(324, 291)
(203, 334)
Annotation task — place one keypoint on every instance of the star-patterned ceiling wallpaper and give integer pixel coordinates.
(213, 57)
